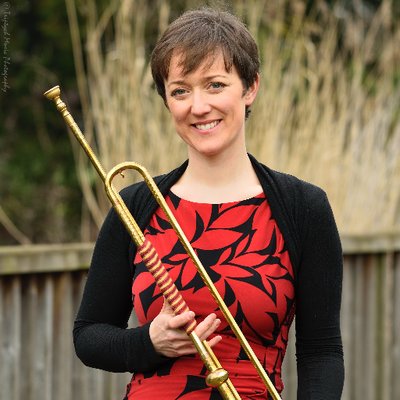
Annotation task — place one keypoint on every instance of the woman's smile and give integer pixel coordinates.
(206, 126)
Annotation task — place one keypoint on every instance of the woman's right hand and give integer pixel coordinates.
(169, 338)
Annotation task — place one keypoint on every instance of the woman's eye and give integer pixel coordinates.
(178, 92)
(217, 85)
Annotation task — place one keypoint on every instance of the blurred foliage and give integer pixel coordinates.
(39, 189)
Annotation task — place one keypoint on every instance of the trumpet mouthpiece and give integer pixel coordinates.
(52, 93)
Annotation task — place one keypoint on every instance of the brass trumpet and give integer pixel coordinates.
(217, 377)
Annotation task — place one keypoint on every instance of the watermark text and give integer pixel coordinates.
(5, 55)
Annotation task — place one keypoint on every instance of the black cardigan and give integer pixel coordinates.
(305, 218)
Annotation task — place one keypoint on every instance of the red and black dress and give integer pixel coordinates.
(244, 253)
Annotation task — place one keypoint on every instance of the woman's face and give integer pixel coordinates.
(208, 106)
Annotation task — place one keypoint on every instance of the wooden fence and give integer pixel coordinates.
(41, 286)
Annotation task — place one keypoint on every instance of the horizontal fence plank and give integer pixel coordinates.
(44, 258)
(370, 243)
(75, 256)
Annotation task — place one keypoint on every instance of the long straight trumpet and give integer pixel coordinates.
(217, 377)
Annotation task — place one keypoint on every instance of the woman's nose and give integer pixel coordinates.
(200, 104)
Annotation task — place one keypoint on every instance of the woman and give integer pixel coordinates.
(267, 239)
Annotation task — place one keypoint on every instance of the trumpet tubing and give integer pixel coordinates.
(217, 377)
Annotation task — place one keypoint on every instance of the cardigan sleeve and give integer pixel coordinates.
(319, 284)
(101, 337)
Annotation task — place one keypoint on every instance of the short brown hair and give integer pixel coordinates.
(198, 34)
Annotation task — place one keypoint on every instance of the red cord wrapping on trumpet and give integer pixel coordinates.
(164, 281)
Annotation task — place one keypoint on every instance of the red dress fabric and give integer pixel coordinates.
(244, 253)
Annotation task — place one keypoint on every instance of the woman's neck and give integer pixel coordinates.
(218, 179)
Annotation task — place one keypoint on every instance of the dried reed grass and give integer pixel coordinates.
(327, 114)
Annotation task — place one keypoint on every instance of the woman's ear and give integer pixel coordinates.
(251, 92)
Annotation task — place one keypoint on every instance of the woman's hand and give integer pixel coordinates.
(170, 340)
